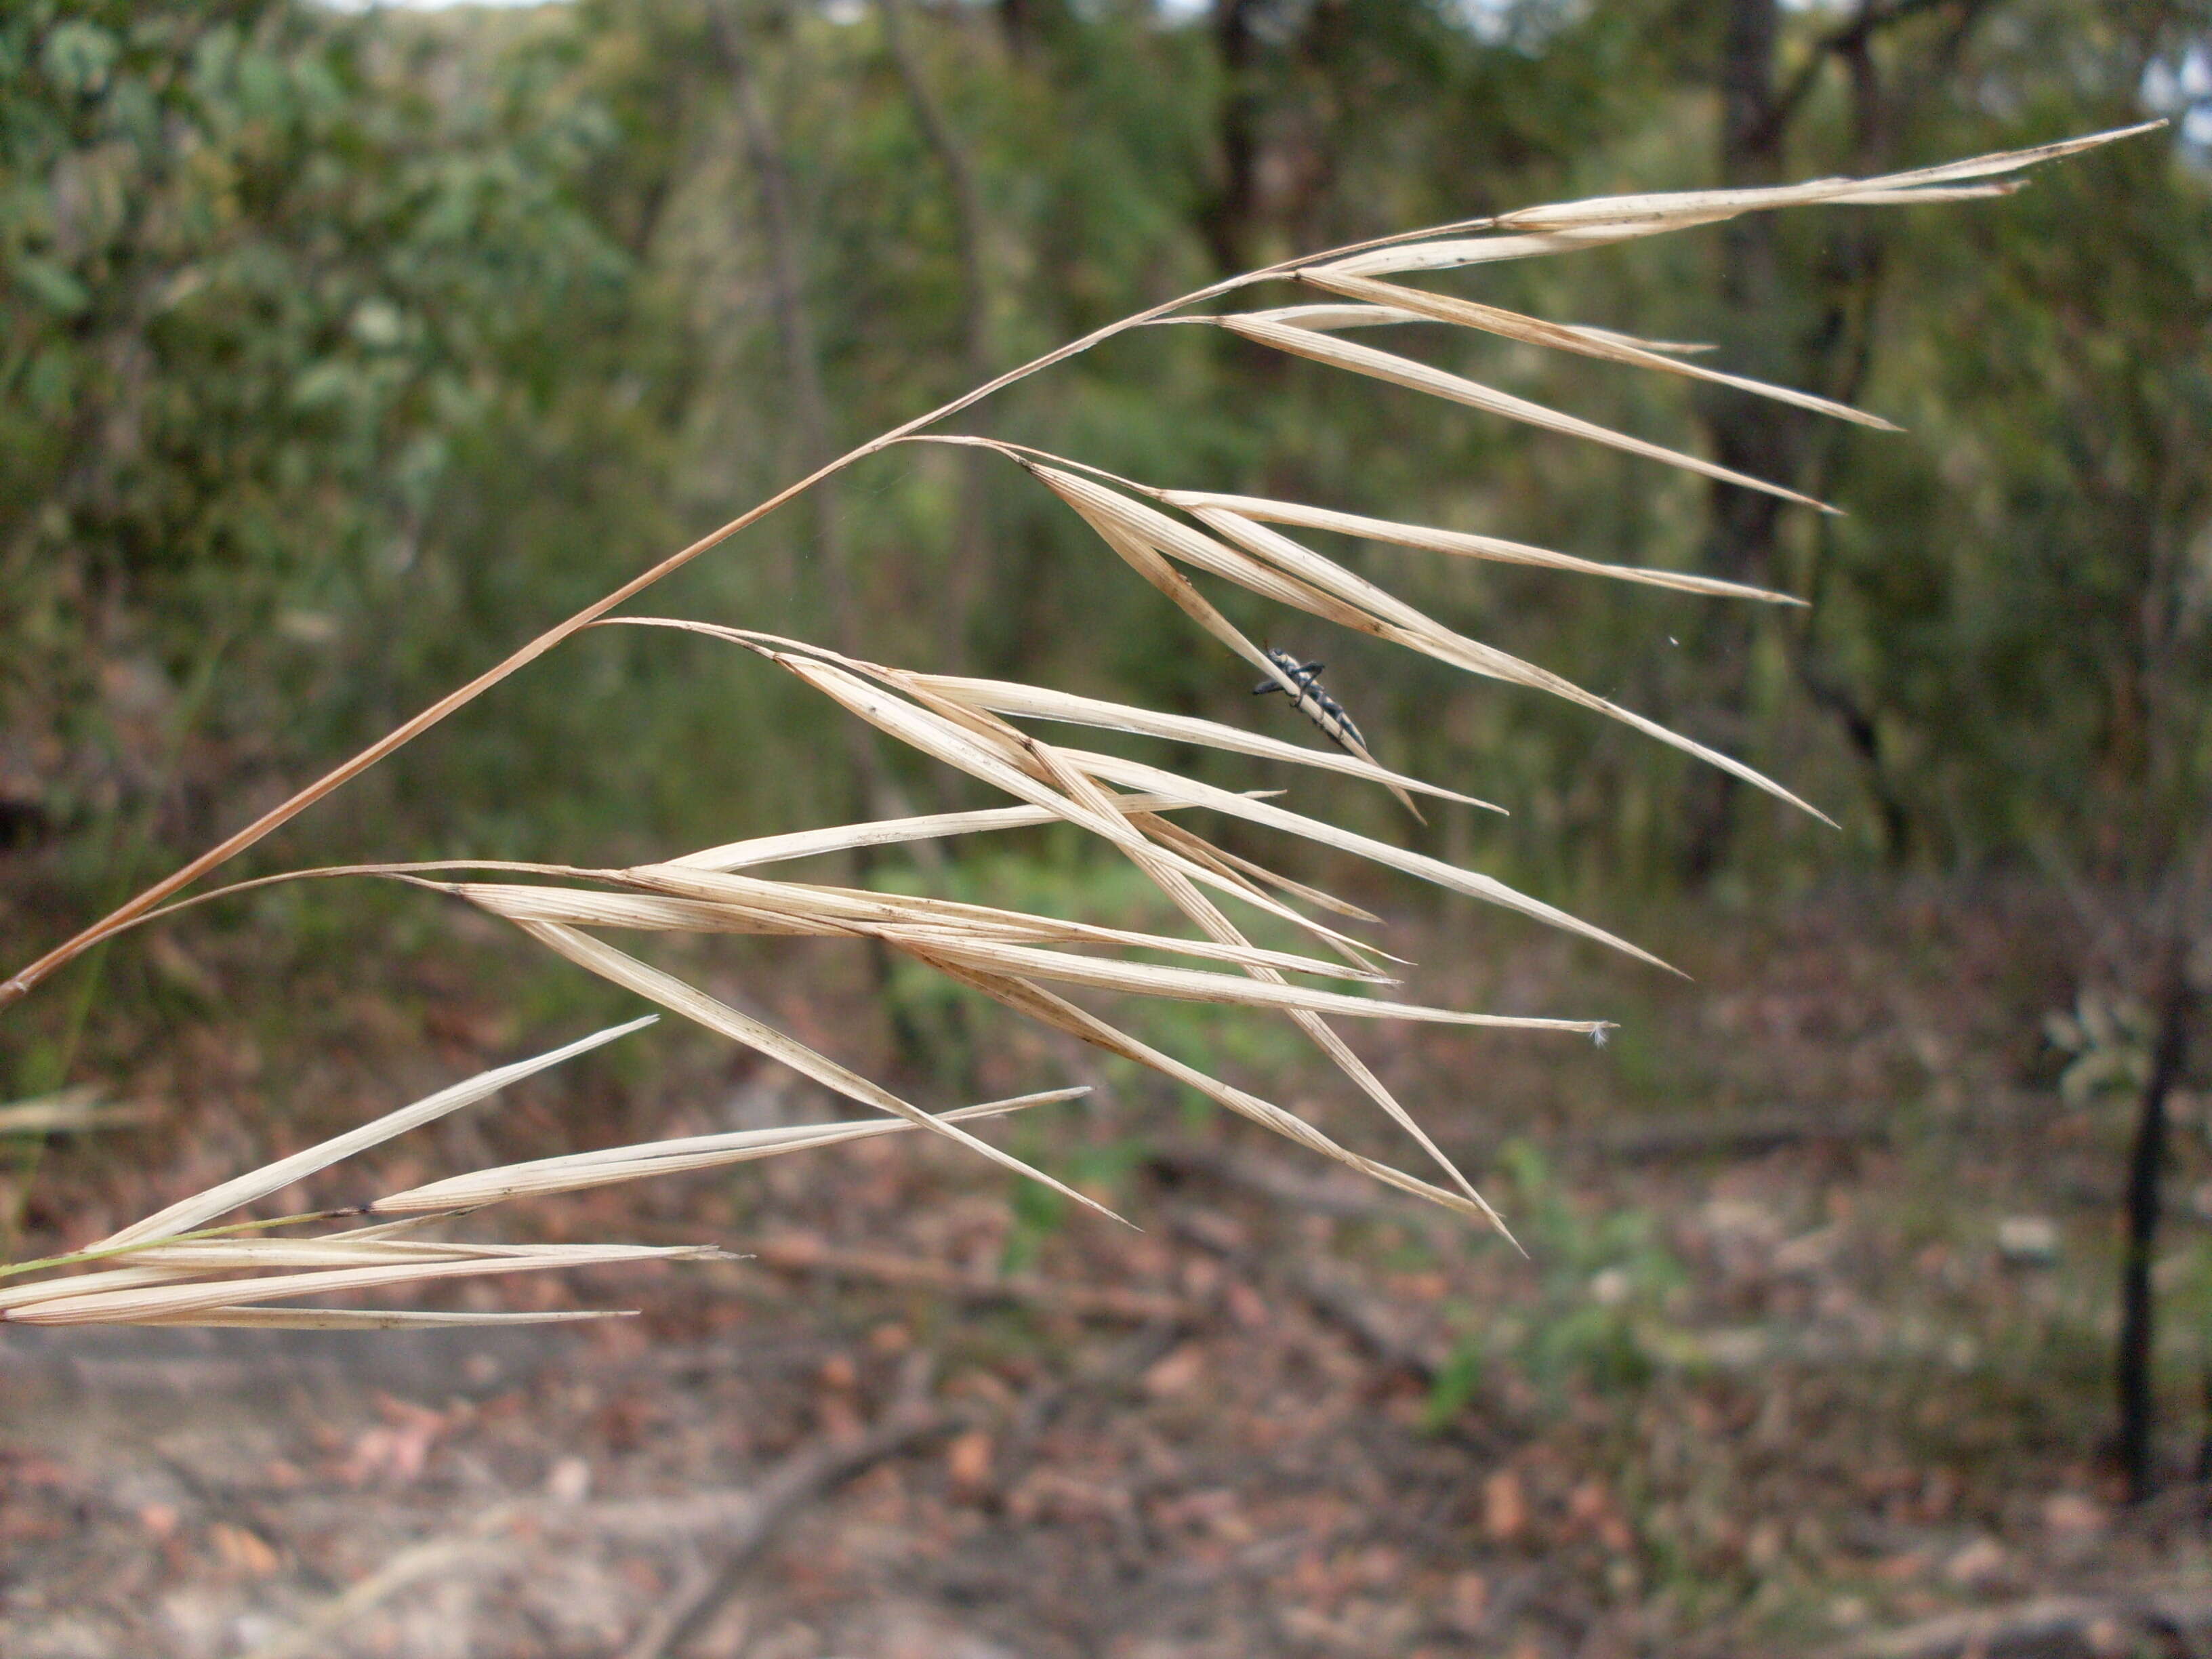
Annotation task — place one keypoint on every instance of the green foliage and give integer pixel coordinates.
(1595, 1318)
(1110, 893)
(261, 291)
(2045, 544)
(2111, 1038)
(338, 354)
(1037, 1213)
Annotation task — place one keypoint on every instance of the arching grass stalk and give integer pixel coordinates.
(176, 1267)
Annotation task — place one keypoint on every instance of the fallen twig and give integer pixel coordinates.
(799, 1253)
(1276, 1180)
(479, 1540)
(1045, 1401)
(1753, 1131)
(742, 1520)
(1337, 1295)
(797, 1480)
(2047, 1628)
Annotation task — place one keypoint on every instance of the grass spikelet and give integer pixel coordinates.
(184, 1265)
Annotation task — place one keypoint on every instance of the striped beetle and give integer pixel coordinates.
(1316, 704)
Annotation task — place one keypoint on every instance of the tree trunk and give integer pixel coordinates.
(970, 579)
(1818, 336)
(1028, 26)
(1757, 439)
(2134, 1370)
(794, 321)
(1234, 204)
(802, 358)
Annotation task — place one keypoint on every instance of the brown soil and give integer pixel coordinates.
(1766, 1382)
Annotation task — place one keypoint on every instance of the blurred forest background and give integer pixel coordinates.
(341, 351)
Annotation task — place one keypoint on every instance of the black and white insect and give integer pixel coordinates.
(1316, 704)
